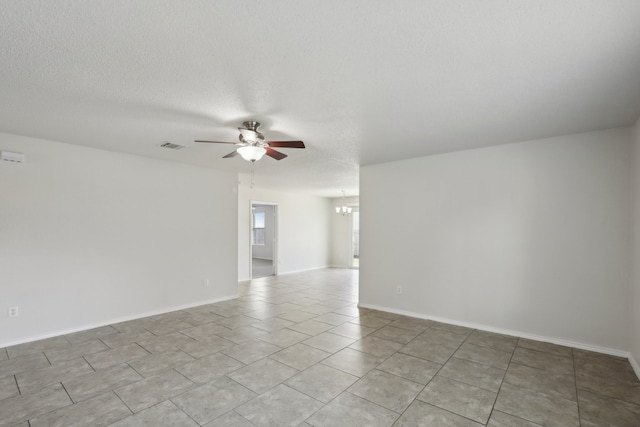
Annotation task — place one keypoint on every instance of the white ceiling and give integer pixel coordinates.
(361, 82)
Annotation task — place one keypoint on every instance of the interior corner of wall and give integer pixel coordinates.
(634, 365)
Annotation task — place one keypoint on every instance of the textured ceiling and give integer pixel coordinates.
(361, 82)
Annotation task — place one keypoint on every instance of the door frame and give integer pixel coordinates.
(351, 251)
(275, 235)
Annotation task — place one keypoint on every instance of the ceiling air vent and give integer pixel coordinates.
(171, 146)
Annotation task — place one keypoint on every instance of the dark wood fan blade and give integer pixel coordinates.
(217, 142)
(275, 154)
(231, 154)
(287, 144)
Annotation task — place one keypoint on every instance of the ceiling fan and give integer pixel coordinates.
(252, 145)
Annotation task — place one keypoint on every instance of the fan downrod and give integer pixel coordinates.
(254, 126)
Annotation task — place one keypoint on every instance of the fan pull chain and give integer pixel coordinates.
(253, 166)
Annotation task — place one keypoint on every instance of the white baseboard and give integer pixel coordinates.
(283, 273)
(634, 365)
(116, 320)
(597, 349)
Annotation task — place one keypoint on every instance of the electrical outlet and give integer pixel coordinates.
(399, 290)
(14, 311)
(205, 283)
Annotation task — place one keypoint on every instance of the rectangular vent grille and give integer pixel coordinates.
(171, 146)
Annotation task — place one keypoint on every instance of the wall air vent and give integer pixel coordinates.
(9, 156)
(171, 146)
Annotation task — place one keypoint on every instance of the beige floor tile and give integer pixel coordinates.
(311, 327)
(434, 351)
(548, 382)
(500, 419)
(168, 342)
(472, 373)
(162, 414)
(423, 414)
(493, 340)
(454, 329)
(26, 406)
(353, 362)
(485, 355)
(598, 411)
(23, 364)
(542, 360)
(387, 390)
(41, 377)
(230, 419)
(352, 330)
(79, 349)
(412, 323)
(107, 358)
(262, 375)
(280, 406)
(333, 318)
(463, 399)
(376, 346)
(98, 411)
(545, 347)
(284, 338)
(348, 410)
(91, 334)
(37, 346)
(209, 401)
(206, 347)
(251, 351)
(272, 324)
(329, 342)
(243, 334)
(205, 331)
(150, 391)
(125, 338)
(297, 316)
(209, 368)
(8, 387)
(155, 363)
(537, 407)
(411, 368)
(372, 321)
(322, 382)
(300, 356)
(399, 335)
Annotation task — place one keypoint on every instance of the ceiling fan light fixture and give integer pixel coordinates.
(251, 153)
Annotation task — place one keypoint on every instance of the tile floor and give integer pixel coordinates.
(295, 350)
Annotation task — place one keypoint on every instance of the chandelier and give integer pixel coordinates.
(344, 209)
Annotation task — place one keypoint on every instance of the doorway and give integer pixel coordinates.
(263, 239)
(355, 238)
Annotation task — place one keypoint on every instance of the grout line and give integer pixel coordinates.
(575, 382)
(15, 378)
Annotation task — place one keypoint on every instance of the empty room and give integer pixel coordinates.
(319, 213)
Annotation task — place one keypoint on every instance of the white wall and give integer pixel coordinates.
(530, 237)
(341, 232)
(635, 284)
(265, 251)
(88, 237)
(303, 230)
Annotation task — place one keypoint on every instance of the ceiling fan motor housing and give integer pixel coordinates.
(249, 134)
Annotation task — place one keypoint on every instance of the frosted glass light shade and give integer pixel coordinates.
(343, 210)
(251, 153)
